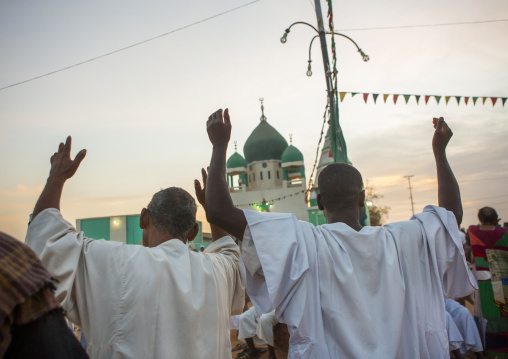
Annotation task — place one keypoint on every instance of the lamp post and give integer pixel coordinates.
(332, 100)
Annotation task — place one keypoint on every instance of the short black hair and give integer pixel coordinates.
(173, 210)
(488, 215)
(340, 185)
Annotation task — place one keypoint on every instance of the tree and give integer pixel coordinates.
(377, 214)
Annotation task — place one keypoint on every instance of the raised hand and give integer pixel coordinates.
(442, 134)
(62, 166)
(219, 128)
(201, 191)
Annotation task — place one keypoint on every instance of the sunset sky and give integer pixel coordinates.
(141, 112)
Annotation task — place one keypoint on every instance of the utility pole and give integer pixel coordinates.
(410, 193)
(328, 78)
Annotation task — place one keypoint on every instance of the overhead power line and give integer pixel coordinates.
(426, 25)
(130, 46)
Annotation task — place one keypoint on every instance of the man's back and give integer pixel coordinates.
(376, 293)
(137, 302)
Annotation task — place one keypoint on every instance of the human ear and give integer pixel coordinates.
(193, 233)
(144, 219)
(319, 202)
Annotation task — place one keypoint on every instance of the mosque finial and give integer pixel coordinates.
(235, 146)
(263, 117)
(290, 138)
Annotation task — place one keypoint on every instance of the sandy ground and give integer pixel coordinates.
(234, 341)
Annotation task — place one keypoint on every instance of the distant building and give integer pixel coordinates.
(126, 229)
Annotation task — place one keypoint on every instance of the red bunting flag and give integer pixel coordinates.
(426, 99)
(375, 95)
(395, 97)
(466, 100)
(365, 97)
(417, 99)
(494, 100)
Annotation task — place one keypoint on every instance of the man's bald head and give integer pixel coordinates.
(340, 186)
(488, 216)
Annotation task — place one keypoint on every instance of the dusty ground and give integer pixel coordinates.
(234, 341)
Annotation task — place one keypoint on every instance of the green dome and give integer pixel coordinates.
(292, 154)
(264, 143)
(236, 160)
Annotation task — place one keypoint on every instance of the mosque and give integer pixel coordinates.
(270, 176)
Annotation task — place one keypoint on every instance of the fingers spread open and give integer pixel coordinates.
(227, 120)
(68, 143)
(197, 187)
(204, 175)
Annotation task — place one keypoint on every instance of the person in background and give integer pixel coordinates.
(32, 323)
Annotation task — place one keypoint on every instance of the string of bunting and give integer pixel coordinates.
(426, 98)
(272, 201)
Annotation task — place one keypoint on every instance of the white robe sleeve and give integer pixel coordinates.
(81, 265)
(226, 258)
(276, 257)
(444, 242)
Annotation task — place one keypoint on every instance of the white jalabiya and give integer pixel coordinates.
(253, 324)
(455, 339)
(466, 325)
(137, 302)
(377, 293)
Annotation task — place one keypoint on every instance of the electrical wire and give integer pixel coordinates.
(427, 25)
(130, 46)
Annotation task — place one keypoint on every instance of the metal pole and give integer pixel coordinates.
(328, 77)
(410, 193)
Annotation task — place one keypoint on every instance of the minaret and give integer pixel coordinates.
(263, 117)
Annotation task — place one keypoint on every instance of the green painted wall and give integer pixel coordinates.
(96, 228)
(134, 232)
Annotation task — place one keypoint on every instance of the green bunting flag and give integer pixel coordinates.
(438, 98)
(406, 97)
(417, 99)
(474, 100)
(503, 99)
(375, 95)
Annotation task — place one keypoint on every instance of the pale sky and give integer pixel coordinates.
(141, 113)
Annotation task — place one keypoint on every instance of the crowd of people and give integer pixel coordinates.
(340, 289)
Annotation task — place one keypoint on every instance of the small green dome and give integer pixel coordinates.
(292, 154)
(236, 160)
(264, 143)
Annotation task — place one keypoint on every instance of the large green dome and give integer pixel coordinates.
(292, 154)
(264, 143)
(236, 160)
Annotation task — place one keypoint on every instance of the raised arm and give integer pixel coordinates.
(220, 209)
(448, 188)
(62, 168)
(217, 232)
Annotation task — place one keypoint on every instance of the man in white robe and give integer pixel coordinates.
(159, 300)
(257, 328)
(346, 291)
(466, 325)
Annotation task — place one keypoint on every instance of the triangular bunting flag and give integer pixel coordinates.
(503, 99)
(466, 100)
(458, 99)
(385, 96)
(447, 98)
(426, 99)
(375, 95)
(406, 97)
(365, 97)
(494, 100)
(395, 97)
(474, 100)
(342, 94)
(484, 99)
(353, 94)
(417, 99)
(438, 98)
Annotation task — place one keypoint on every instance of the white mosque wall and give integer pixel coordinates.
(270, 171)
(295, 204)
